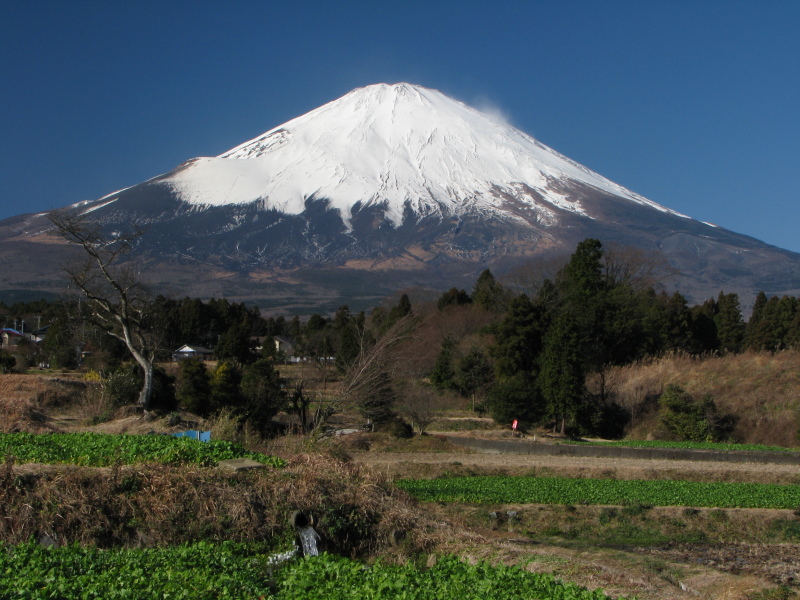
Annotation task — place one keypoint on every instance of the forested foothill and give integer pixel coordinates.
(552, 353)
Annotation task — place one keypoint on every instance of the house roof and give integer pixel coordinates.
(186, 349)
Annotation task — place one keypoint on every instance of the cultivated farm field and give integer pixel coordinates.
(363, 491)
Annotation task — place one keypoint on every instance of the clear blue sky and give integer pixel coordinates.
(694, 104)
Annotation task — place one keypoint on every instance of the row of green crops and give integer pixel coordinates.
(720, 447)
(233, 571)
(224, 571)
(558, 490)
(102, 450)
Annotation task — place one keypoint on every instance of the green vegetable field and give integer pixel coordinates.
(556, 490)
(230, 571)
(103, 450)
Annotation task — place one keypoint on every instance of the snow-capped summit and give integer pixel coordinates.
(388, 187)
(399, 146)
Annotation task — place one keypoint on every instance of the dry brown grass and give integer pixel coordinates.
(356, 512)
(385, 442)
(761, 389)
(25, 399)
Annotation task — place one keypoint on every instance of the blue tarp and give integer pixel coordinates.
(203, 436)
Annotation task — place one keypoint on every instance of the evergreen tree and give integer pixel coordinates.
(582, 277)
(193, 387)
(787, 309)
(704, 327)
(729, 324)
(518, 338)
(677, 324)
(315, 324)
(516, 352)
(402, 309)
(793, 332)
(280, 325)
(234, 345)
(294, 328)
(217, 314)
(341, 318)
(515, 398)
(263, 394)
(453, 297)
(562, 374)
(487, 293)
(754, 331)
(627, 328)
(225, 387)
(163, 316)
(473, 374)
(582, 291)
(378, 318)
(443, 375)
(192, 322)
(60, 345)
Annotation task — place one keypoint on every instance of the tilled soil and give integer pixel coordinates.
(779, 563)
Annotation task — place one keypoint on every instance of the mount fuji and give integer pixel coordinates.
(388, 187)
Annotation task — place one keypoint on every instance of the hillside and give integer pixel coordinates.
(762, 391)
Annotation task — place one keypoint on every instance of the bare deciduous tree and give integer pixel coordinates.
(419, 403)
(116, 300)
(635, 267)
(367, 373)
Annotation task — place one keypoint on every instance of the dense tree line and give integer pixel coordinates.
(531, 363)
(591, 316)
(244, 379)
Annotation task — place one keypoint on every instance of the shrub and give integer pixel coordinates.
(7, 362)
(690, 419)
(193, 389)
(262, 394)
(122, 385)
(398, 428)
(515, 398)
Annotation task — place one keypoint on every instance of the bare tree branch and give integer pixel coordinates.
(369, 369)
(116, 299)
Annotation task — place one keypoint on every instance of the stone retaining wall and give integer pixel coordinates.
(532, 448)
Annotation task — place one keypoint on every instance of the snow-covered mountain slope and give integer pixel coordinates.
(399, 146)
(388, 187)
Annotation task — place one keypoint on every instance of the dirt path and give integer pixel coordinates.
(432, 464)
